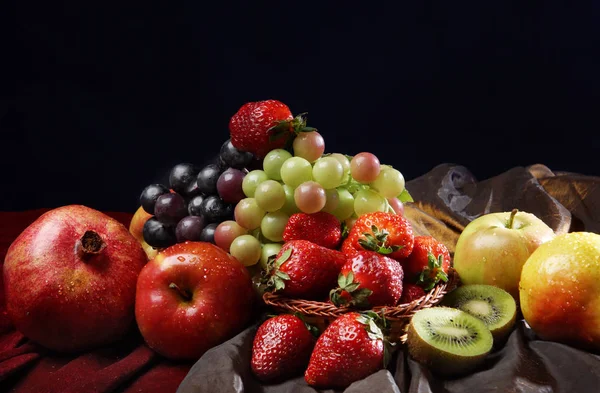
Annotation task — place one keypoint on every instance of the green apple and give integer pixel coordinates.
(493, 248)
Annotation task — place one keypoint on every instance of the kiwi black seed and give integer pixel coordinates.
(493, 305)
(449, 341)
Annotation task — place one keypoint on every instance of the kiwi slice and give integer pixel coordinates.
(449, 341)
(493, 305)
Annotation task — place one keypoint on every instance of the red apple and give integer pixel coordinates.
(70, 279)
(191, 297)
(136, 227)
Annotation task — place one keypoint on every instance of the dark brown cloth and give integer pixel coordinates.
(447, 199)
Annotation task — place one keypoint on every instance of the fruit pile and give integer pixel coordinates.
(310, 225)
(450, 339)
(245, 210)
(379, 262)
(321, 228)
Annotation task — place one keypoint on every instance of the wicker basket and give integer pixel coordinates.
(321, 314)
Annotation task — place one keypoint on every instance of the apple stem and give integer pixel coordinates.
(89, 245)
(511, 219)
(182, 292)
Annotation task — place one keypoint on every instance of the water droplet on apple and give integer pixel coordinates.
(181, 258)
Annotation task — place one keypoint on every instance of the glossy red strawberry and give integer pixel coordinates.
(304, 270)
(411, 292)
(371, 279)
(428, 263)
(258, 127)
(351, 348)
(386, 233)
(282, 347)
(320, 228)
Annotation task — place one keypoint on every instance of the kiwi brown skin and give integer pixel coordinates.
(504, 303)
(446, 364)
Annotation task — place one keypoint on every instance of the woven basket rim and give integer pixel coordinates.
(400, 312)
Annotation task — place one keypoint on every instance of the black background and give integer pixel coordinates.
(100, 100)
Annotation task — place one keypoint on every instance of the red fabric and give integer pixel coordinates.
(128, 366)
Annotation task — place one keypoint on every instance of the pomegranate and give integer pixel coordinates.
(70, 279)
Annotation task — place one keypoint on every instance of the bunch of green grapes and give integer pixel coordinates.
(308, 181)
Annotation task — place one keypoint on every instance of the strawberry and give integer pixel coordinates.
(371, 279)
(320, 228)
(386, 233)
(351, 348)
(411, 292)
(303, 269)
(259, 127)
(428, 263)
(282, 347)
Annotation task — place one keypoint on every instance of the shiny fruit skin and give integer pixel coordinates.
(233, 157)
(560, 290)
(489, 252)
(220, 303)
(136, 225)
(399, 229)
(310, 197)
(158, 235)
(182, 178)
(226, 232)
(418, 259)
(365, 167)
(62, 301)
(381, 275)
(344, 353)
(320, 228)
(149, 196)
(312, 270)
(136, 228)
(411, 292)
(281, 348)
(249, 127)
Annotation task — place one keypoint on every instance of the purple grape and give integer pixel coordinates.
(207, 179)
(182, 178)
(189, 228)
(157, 234)
(208, 233)
(229, 185)
(170, 208)
(233, 157)
(194, 206)
(149, 196)
(214, 209)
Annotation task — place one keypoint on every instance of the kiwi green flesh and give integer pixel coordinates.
(493, 305)
(447, 340)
